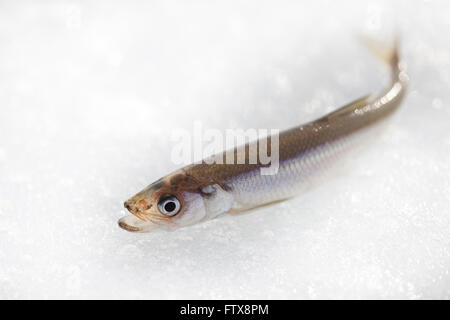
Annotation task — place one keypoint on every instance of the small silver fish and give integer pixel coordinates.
(203, 191)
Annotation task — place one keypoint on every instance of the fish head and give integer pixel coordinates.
(175, 201)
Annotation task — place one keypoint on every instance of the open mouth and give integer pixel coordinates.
(133, 224)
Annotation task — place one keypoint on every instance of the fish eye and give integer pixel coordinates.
(169, 205)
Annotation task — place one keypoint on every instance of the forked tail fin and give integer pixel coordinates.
(387, 53)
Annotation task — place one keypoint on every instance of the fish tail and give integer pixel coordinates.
(388, 53)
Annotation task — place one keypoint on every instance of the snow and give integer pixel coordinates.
(89, 96)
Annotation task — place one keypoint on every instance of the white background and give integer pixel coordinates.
(91, 91)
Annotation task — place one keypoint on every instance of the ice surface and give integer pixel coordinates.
(90, 92)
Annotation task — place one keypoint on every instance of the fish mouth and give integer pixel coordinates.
(136, 222)
(136, 213)
(132, 224)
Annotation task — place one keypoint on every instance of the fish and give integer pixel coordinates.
(203, 191)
